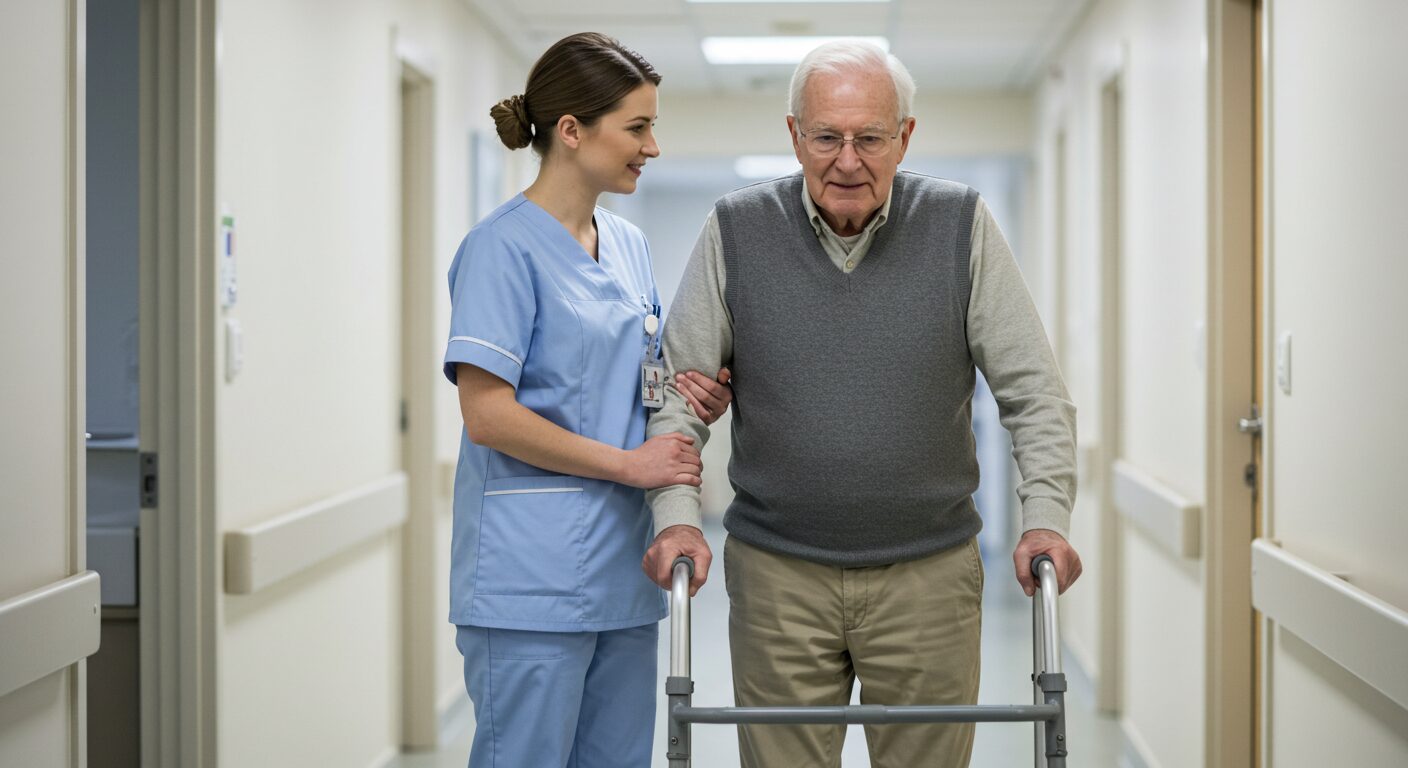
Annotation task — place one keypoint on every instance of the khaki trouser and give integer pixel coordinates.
(800, 633)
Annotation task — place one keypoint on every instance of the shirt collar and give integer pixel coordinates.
(814, 214)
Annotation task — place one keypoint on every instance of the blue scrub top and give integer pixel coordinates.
(533, 549)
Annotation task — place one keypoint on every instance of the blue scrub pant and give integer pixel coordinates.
(560, 699)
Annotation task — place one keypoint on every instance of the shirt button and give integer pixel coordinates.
(850, 265)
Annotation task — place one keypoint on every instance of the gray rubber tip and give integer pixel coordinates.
(689, 563)
(1037, 561)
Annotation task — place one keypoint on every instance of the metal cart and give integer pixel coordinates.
(1047, 714)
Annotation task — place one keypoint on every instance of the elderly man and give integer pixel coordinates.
(853, 302)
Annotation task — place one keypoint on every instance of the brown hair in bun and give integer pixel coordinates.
(512, 122)
(584, 75)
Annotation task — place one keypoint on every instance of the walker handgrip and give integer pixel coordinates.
(679, 685)
(681, 572)
(1046, 635)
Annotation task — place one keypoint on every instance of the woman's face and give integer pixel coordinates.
(613, 152)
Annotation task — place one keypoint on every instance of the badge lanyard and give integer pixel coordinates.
(652, 372)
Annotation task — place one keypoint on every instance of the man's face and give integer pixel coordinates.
(849, 186)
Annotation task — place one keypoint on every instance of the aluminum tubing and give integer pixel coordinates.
(868, 714)
(679, 617)
(1051, 632)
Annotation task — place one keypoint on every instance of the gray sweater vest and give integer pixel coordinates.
(852, 422)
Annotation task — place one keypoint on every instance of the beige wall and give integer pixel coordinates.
(307, 162)
(1335, 253)
(1155, 49)
(40, 338)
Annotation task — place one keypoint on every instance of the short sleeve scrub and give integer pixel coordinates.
(546, 588)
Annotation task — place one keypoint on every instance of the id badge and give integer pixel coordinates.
(652, 385)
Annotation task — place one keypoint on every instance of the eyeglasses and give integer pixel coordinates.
(828, 144)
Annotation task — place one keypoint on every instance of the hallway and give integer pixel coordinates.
(230, 455)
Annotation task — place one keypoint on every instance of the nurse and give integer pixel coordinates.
(554, 349)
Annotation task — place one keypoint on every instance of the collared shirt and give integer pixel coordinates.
(845, 252)
(1005, 337)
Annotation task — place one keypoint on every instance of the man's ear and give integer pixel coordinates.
(906, 131)
(792, 133)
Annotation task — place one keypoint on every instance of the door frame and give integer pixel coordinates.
(413, 207)
(76, 189)
(180, 562)
(1265, 362)
(1109, 683)
(1231, 389)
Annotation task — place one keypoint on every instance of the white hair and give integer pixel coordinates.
(851, 56)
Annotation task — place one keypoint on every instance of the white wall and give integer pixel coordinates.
(948, 124)
(1156, 48)
(40, 344)
(1335, 253)
(307, 162)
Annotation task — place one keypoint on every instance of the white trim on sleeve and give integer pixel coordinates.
(532, 490)
(490, 345)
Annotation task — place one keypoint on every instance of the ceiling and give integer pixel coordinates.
(948, 45)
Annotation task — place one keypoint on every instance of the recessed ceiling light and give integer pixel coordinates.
(765, 166)
(787, 1)
(771, 50)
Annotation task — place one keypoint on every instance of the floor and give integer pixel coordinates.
(1094, 739)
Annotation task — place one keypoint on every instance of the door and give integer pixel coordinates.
(48, 605)
(1232, 429)
(1329, 577)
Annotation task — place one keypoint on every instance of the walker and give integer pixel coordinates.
(1047, 714)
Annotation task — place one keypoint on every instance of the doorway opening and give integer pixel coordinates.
(116, 465)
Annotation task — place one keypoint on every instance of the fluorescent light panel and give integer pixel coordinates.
(770, 50)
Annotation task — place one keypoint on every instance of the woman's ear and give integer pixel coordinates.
(569, 131)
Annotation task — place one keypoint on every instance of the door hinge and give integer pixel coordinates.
(149, 480)
(405, 418)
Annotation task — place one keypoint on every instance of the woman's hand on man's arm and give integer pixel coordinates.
(494, 418)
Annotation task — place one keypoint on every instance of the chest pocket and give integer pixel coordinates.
(531, 537)
(613, 342)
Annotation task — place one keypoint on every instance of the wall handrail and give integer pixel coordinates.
(1357, 630)
(1171, 519)
(49, 628)
(265, 553)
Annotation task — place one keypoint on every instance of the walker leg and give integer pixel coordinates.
(679, 690)
(1053, 685)
(1039, 696)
